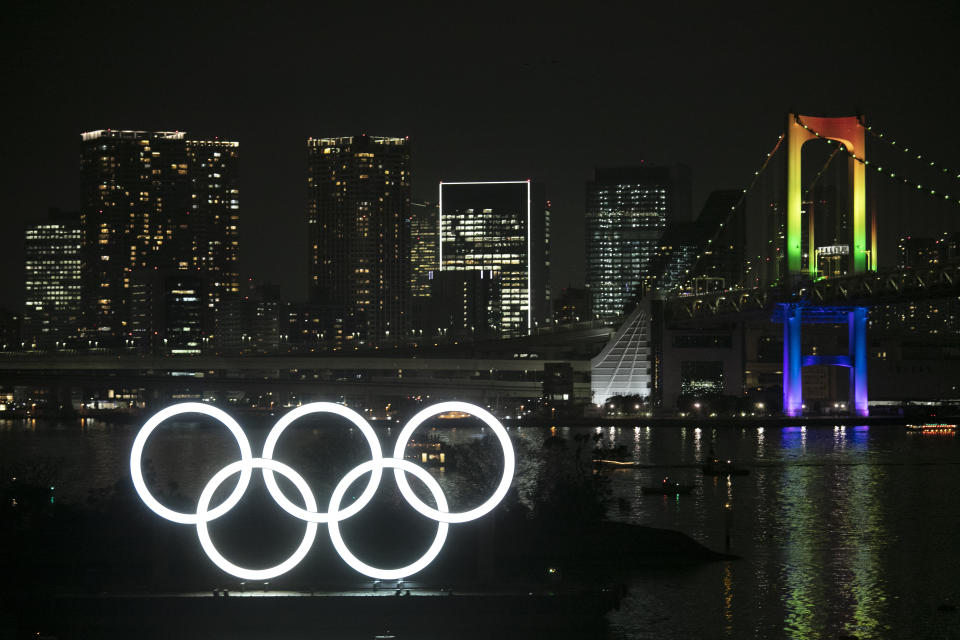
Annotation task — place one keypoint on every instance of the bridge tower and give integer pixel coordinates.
(848, 131)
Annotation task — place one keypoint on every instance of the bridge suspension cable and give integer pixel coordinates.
(733, 209)
(879, 169)
(823, 169)
(906, 150)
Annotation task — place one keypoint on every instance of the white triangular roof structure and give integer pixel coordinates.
(623, 368)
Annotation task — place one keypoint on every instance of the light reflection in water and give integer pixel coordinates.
(826, 520)
(728, 597)
(861, 511)
(801, 571)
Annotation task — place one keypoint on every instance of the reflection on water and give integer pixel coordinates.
(834, 527)
(801, 572)
(843, 531)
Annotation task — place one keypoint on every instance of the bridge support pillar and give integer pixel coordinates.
(792, 363)
(857, 323)
(793, 316)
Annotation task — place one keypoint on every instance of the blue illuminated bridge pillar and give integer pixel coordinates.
(794, 316)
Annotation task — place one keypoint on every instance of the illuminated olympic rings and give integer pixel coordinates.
(311, 514)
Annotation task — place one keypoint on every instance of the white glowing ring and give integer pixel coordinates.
(375, 467)
(509, 462)
(202, 518)
(401, 466)
(365, 429)
(140, 441)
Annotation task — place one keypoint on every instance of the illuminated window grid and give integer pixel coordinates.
(477, 225)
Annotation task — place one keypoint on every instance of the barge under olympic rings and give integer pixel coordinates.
(311, 515)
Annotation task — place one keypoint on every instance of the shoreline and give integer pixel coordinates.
(576, 421)
(727, 422)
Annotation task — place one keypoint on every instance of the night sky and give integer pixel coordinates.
(484, 92)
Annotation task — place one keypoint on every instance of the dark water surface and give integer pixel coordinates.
(842, 531)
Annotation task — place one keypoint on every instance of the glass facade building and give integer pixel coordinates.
(627, 213)
(502, 227)
(358, 216)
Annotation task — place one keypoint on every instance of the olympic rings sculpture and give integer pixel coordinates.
(311, 515)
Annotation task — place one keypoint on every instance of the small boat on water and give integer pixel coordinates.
(668, 488)
(617, 457)
(717, 467)
(932, 427)
(616, 464)
(431, 452)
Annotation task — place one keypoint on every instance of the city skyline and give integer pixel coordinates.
(693, 270)
(619, 91)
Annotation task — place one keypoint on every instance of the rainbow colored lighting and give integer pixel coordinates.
(848, 131)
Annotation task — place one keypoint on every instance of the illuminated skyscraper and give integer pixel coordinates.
(423, 247)
(52, 282)
(358, 216)
(627, 212)
(502, 227)
(215, 221)
(154, 200)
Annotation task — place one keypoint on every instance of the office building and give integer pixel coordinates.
(167, 310)
(51, 318)
(358, 216)
(572, 305)
(155, 200)
(702, 256)
(937, 316)
(11, 326)
(918, 253)
(312, 327)
(627, 212)
(503, 227)
(423, 247)
(464, 303)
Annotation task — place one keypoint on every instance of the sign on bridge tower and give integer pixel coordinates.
(849, 132)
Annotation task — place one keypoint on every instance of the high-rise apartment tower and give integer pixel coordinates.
(155, 200)
(358, 216)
